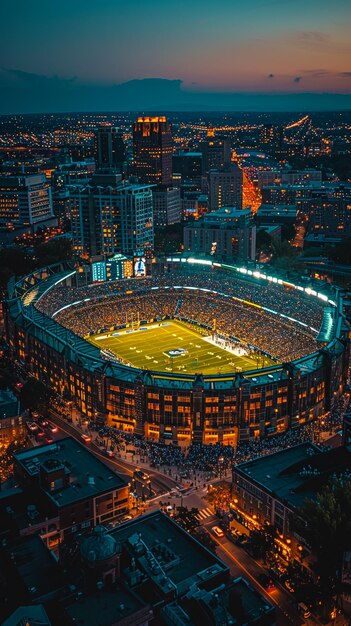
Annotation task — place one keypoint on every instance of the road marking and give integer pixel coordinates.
(203, 514)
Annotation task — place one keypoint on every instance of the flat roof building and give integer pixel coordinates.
(63, 488)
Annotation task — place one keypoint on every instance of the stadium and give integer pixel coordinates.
(200, 351)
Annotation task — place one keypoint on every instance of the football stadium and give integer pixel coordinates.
(197, 351)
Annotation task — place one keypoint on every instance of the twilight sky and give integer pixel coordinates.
(81, 55)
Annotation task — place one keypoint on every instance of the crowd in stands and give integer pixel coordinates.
(287, 301)
(111, 303)
(276, 336)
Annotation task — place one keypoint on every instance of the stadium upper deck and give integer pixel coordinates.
(229, 407)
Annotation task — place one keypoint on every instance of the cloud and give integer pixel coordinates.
(345, 74)
(310, 38)
(319, 73)
(26, 92)
(30, 77)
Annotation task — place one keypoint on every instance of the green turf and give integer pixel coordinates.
(145, 349)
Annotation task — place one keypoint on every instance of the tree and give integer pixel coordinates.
(219, 496)
(53, 251)
(262, 541)
(325, 524)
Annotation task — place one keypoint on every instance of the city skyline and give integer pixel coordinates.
(266, 55)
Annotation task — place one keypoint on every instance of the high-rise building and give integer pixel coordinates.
(110, 216)
(25, 201)
(110, 148)
(152, 146)
(190, 166)
(226, 188)
(167, 205)
(216, 152)
(227, 234)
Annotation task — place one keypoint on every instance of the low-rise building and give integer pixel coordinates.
(148, 570)
(273, 488)
(63, 489)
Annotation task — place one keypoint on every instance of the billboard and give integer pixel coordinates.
(98, 270)
(139, 266)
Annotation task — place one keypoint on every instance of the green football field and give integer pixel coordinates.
(152, 346)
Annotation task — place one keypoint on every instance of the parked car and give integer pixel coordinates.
(241, 539)
(86, 438)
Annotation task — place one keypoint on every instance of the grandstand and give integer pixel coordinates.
(289, 360)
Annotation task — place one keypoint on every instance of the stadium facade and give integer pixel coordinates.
(229, 408)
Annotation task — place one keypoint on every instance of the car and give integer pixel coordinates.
(35, 415)
(32, 427)
(304, 610)
(289, 585)
(42, 421)
(126, 518)
(217, 531)
(266, 582)
(241, 539)
(232, 534)
(40, 433)
(86, 438)
(49, 439)
(138, 473)
(109, 452)
(52, 427)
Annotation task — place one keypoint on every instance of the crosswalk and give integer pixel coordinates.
(203, 514)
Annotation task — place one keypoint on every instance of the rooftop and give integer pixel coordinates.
(182, 557)
(36, 568)
(298, 473)
(88, 476)
(105, 607)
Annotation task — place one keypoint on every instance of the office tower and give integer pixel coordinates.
(109, 216)
(25, 201)
(226, 188)
(110, 148)
(152, 146)
(226, 234)
(167, 205)
(216, 152)
(190, 166)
